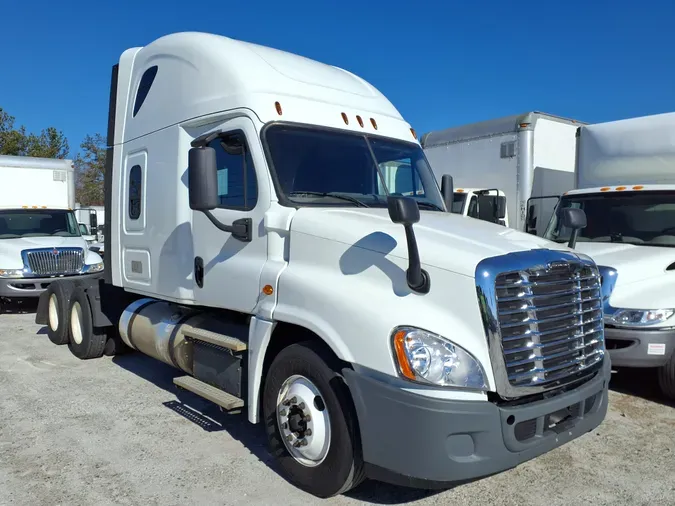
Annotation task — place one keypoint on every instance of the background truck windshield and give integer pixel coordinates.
(320, 167)
(16, 223)
(644, 218)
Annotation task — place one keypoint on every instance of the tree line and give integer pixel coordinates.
(89, 163)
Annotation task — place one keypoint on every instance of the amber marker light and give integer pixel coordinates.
(358, 118)
(374, 123)
(278, 107)
(638, 187)
(399, 348)
(268, 290)
(620, 188)
(604, 189)
(345, 118)
(412, 131)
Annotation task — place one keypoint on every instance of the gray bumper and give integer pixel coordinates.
(639, 347)
(33, 287)
(419, 441)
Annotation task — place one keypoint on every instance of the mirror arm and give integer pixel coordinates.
(205, 140)
(573, 238)
(240, 229)
(418, 279)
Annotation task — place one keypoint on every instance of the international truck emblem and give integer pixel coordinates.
(55, 252)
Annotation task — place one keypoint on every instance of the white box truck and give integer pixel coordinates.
(258, 241)
(526, 156)
(39, 237)
(625, 182)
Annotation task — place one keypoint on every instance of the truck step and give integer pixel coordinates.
(231, 343)
(208, 392)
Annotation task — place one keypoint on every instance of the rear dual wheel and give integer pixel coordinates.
(310, 421)
(86, 341)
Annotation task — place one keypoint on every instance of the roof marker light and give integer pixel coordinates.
(605, 189)
(358, 118)
(459, 190)
(374, 123)
(278, 107)
(412, 131)
(345, 119)
(620, 188)
(638, 187)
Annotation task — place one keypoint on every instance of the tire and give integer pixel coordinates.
(114, 344)
(341, 467)
(58, 315)
(666, 376)
(86, 341)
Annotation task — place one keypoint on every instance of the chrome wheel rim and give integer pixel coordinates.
(303, 421)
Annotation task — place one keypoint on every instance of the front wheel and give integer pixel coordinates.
(310, 422)
(666, 375)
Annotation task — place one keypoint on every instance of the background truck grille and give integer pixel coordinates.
(550, 321)
(54, 261)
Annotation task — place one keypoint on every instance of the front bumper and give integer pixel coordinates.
(639, 347)
(33, 287)
(420, 441)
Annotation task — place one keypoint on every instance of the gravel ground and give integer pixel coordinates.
(112, 431)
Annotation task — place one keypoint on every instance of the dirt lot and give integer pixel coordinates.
(114, 432)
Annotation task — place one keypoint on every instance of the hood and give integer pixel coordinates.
(633, 263)
(643, 281)
(445, 240)
(10, 256)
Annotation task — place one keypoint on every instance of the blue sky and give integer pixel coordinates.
(442, 64)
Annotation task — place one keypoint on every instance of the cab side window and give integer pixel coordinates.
(237, 184)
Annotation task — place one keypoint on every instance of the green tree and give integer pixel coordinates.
(49, 143)
(90, 170)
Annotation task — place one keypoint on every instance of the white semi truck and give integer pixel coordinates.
(529, 158)
(258, 241)
(39, 236)
(625, 182)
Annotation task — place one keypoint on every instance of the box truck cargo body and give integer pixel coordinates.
(526, 156)
(40, 240)
(625, 183)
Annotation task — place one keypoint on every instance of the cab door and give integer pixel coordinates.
(227, 269)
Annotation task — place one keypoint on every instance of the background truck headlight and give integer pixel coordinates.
(94, 267)
(639, 317)
(11, 273)
(431, 359)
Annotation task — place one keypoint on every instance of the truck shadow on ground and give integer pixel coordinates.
(641, 383)
(209, 418)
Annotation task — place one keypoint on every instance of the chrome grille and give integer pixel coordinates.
(551, 322)
(54, 261)
(543, 317)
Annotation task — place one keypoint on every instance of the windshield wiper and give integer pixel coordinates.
(429, 205)
(348, 198)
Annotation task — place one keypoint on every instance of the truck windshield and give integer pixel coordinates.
(644, 218)
(322, 167)
(17, 223)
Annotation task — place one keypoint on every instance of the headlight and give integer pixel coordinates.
(430, 359)
(11, 273)
(639, 317)
(94, 267)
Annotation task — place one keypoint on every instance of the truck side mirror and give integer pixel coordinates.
(93, 221)
(405, 211)
(448, 191)
(501, 208)
(575, 219)
(203, 178)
